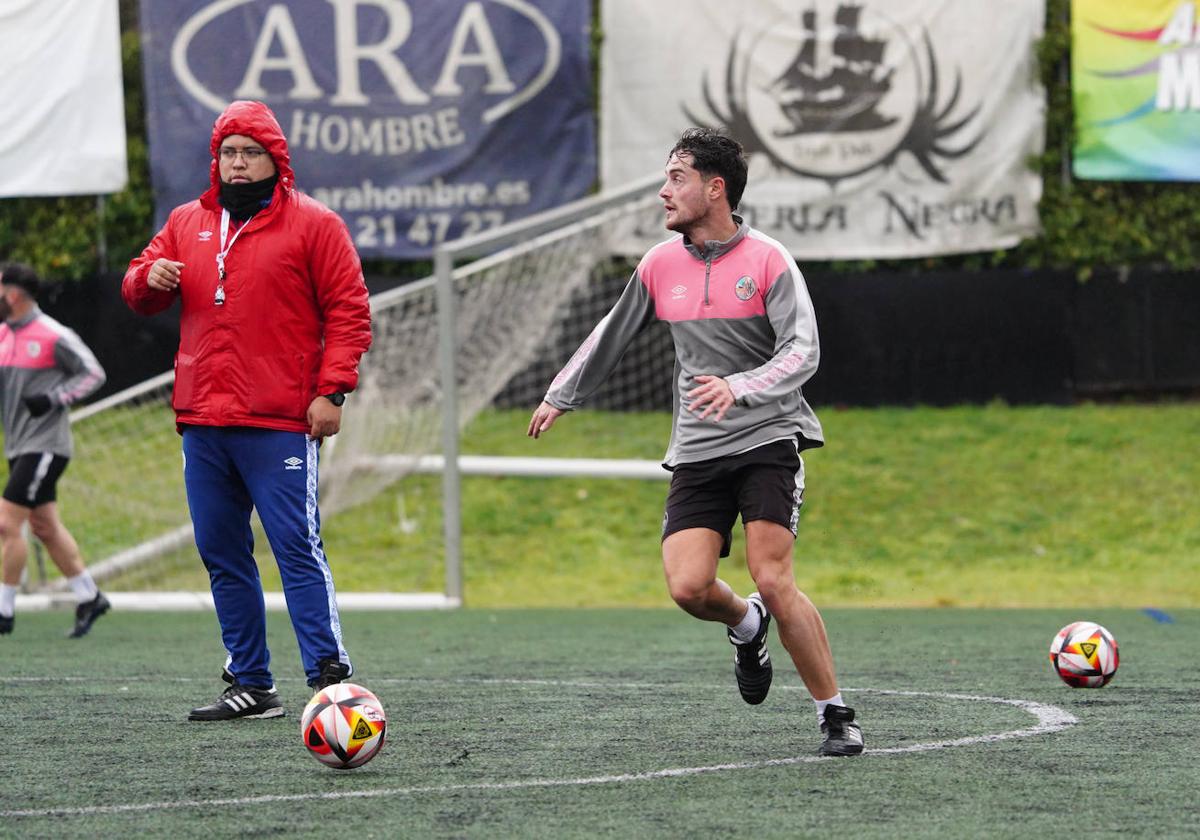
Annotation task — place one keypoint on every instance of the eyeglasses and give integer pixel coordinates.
(229, 154)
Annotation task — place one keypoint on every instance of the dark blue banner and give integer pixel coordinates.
(416, 120)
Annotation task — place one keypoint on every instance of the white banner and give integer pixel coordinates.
(880, 128)
(62, 111)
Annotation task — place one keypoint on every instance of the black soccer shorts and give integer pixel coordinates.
(763, 483)
(33, 478)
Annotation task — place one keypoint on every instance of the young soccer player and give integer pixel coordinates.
(745, 342)
(44, 368)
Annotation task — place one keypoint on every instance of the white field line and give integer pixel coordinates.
(1048, 719)
(192, 601)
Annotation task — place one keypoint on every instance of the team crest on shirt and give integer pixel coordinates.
(33, 349)
(744, 288)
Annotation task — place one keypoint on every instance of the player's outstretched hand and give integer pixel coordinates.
(543, 418)
(713, 395)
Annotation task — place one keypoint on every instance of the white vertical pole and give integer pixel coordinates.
(443, 264)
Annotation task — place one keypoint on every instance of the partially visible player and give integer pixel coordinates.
(745, 341)
(44, 368)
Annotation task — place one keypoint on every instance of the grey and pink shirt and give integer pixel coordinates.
(737, 309)
(38, 355)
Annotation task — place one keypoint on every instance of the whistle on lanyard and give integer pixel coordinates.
(219, 296)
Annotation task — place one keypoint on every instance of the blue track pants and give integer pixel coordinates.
(228, 471)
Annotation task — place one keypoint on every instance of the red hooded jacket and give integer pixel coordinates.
(295, 321)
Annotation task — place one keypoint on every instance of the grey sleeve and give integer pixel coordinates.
(797, 348)
(602, 350)
(84, 375)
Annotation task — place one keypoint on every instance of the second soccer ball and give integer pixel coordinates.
(1084, 655)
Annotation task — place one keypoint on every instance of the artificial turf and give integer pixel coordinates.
(595, 722)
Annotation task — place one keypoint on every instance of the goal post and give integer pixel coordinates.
(502, 313)
(603, 210)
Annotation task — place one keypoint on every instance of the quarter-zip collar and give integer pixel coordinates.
(28, 319)
(715, 248)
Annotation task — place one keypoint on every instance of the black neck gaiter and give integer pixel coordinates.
(243, 200)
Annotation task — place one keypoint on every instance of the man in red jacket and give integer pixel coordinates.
(274, 320)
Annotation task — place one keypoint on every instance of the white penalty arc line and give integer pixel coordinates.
(1049, 719)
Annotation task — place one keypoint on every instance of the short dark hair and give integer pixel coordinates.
(715, 153)
(22, 275)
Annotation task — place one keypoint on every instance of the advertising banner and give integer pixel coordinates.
(1135, 80)
(415, 121)
(62, 104)
(880, 128)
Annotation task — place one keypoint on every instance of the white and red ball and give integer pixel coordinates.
(343, 726)
(1084, 655)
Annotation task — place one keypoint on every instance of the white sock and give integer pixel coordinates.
(745, 630)
(821, 704)
(8, 600)
(83, 586)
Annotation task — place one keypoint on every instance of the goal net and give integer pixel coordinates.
(505, 312)
(498, 326)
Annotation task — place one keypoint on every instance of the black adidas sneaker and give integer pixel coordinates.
(751, 662)
(241, 701)
(842, 735)
(87, 613)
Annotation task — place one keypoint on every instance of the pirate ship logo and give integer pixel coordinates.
(843, 92)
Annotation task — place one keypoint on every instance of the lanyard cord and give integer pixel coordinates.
(219, 297)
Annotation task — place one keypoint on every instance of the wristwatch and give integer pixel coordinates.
(337, 398)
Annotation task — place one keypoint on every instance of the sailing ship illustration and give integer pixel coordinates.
(845, 97)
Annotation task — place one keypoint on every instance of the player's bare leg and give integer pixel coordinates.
(801, 630)
(12, 541)
(769, 548)
(12, 559)
(690, 560)
(47, 526)
(61, 546)
(690, 563)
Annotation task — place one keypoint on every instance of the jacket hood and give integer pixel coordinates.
(252, 119)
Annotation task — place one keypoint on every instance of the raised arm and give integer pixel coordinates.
(596, 358)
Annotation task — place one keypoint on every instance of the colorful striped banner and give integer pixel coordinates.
(1135, 70)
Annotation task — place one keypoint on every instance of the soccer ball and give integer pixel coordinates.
(1084, 655)
(343, 726)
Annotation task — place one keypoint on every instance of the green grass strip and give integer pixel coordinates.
(970, 506)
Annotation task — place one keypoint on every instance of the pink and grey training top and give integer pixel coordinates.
(38, 355)
(737, 309)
